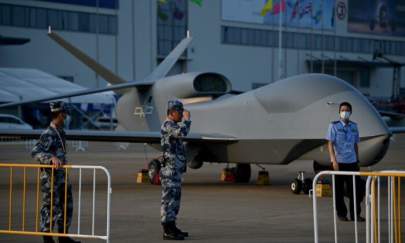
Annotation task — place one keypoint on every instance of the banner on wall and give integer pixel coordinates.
(383, 17)
(316, 14)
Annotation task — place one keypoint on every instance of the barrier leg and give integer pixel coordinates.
(354, 191)
(51, 208)
(65, 201)
(24, 198)
(379, 210)
(79, 207)
(389, 209)
(391, 233)
(368, 220)
(374, 208)
(399, 210)
(37, 201)
(334, 208)
(94, 201)
(10, 207)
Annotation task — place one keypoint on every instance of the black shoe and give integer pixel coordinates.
(67, 240)
(178, 231)
(169, 232)
(343, 218)
(48, 239)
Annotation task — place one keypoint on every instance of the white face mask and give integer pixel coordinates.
(345, 115)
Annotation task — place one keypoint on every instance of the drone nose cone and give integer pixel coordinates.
(316, 98)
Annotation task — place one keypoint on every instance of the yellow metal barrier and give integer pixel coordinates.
(373, 207)
(38, 167)
(394, 206)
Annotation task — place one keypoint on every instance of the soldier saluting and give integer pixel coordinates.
(51, 150)
(174, 128)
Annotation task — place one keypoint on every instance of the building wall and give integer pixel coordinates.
(132, 51)
(248, 63)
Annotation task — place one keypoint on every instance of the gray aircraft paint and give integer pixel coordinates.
(278, 123)
(283, 121)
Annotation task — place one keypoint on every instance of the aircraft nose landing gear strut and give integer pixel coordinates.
(301, 183)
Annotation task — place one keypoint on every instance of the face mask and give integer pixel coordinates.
(65, 121)
(345, 115)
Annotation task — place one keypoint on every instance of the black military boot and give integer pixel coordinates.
(169, 232)
(178, 231)
(48, 239)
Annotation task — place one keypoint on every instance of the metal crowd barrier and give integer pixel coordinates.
(373, 190)
(373, 205)
(80, 168)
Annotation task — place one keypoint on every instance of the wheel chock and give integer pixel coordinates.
(142, 177)
(227, 175)
(263, 178)
(323, 189)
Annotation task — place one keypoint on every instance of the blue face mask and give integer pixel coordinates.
(345, 115)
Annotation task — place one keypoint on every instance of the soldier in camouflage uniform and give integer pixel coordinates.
(174, 128)
(51, 150)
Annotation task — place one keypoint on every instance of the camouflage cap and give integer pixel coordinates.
(57, 106)
(175, 105)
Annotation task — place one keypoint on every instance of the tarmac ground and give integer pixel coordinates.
(212, 211)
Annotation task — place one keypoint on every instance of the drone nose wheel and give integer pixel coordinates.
(301, 184)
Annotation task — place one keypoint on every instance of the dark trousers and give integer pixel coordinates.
(342, 182)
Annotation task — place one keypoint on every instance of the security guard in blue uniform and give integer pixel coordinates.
(173, 130)
(343, 137)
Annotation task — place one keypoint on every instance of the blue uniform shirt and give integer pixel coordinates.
(343, 138)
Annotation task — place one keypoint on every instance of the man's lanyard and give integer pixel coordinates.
(60, 138)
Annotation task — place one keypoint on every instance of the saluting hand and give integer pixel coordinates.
(186, 115)
(56, 162)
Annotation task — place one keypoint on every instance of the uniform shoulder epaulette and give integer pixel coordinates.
(335, 122)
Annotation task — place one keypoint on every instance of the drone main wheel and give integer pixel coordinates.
(296, 186)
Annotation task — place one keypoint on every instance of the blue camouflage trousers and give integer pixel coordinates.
(171, 192)
(58, 203)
